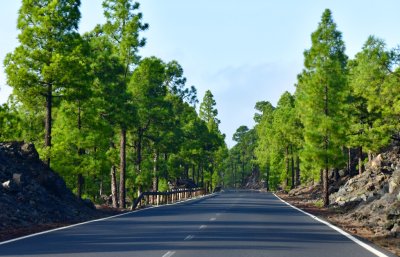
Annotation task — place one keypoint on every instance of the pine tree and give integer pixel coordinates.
(40, 67)
(246, 141)
(123, 27)
(367, 75)
(263, 150)
(285, 128)
(321, 97)
(148, 89)
(208, 112)
(390, 97)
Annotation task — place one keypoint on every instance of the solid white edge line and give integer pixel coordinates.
(102, 219)
(352, 238)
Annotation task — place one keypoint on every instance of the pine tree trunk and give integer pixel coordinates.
(202, 176)
(155, 168)
(326, 187)
(79, 185)
(234, 175)
(211, 177)
(321, 176)
(114, 193)
(292, 166)
(139, 152)
(101, 188)
(122, 172)
(360, 161)
(193, 171)
(48, 120)
(286, 182)
(242, 182)
(80, 153)
(140, 190)
(326, 170)
(198, 176)
(165, 170)
(326, 175)
(186, 173)
(349, 161)
(139, 157)
(297, 170)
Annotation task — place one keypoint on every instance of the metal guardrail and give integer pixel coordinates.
(172, 196)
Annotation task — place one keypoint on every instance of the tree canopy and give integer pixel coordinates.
(105, 109)
(341, 111)
(97, 109)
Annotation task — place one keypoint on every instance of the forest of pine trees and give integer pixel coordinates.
(114, 123)
(108, 121)
(342, 109)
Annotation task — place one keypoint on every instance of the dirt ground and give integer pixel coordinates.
(391, 244)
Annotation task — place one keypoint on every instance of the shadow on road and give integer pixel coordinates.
(248, 221)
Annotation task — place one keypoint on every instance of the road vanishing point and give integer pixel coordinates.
(231, 223)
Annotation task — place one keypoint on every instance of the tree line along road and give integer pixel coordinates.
(231, 223)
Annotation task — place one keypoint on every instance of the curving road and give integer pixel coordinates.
(243, 223)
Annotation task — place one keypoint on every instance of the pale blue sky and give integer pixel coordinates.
(243, 51)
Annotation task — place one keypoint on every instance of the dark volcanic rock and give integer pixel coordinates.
(373, 197)
(31, 193)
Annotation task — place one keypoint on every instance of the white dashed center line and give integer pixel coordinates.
(169, 254)
(189, 237)
(212, 219)
(203, 226)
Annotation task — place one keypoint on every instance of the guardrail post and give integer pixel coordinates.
(168, 197)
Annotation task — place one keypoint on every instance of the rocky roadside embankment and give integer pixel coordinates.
(373, 198)
(33, 197)
(367, 205)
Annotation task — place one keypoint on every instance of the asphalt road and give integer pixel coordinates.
(246, 224)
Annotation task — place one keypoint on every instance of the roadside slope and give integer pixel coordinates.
(32, 196)
(366, 205)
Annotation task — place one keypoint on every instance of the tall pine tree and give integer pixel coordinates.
(321, 97)
(49, 42)
(124, 23)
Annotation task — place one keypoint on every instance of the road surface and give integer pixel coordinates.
(232, 224)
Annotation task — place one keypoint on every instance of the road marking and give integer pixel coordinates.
(203, 226)
(106, 218)
(189, 237)
(169, 254)
(212, 219)
(352, 238)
